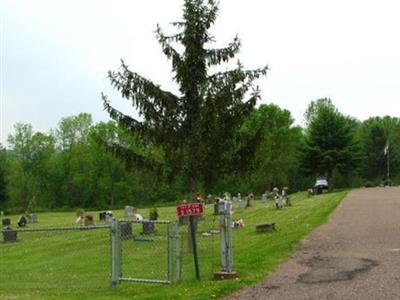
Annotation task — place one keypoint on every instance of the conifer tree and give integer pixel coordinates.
(329, 142)
(194, 128)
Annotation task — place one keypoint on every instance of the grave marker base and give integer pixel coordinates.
(224, 275)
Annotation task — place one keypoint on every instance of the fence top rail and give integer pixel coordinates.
(70, 228)
(126, 219)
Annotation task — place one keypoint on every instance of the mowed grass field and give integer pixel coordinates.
(76, 264)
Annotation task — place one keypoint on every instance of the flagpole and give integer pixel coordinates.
(388, 162)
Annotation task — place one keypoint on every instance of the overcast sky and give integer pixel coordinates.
(55, 54)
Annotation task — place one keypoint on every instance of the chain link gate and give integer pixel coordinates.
(144, 251)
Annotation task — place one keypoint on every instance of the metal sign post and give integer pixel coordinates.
(192, 209)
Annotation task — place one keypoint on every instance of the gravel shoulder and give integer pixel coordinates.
(356, 255)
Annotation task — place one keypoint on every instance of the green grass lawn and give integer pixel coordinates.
(76, 264)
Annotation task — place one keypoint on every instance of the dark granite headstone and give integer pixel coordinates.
(148, 227)
(265, 227)
(6, 222)
(102, 216)
(126, 230)
(22, 221)
(9, 235)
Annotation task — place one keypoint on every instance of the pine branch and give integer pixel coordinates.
(168, 50)
(150, 99)
(216, 56)
(125, 121)
(132, 159)
(235, 76)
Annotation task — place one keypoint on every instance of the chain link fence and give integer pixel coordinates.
(95, 257)
(208, 247)
(55, 258)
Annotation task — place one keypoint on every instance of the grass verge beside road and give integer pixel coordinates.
(75, 266)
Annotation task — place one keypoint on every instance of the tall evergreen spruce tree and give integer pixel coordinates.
(196, 127)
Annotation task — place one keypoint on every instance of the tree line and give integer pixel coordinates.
(73, 166)
(209, 137)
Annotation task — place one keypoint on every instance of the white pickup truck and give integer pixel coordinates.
(321, 184)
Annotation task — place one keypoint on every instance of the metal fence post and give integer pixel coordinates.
(225, 222)
(178, 256)
(229, 238)
(115, 252)
(170, 251)
(223, 233)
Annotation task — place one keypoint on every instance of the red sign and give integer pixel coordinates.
(190, 209)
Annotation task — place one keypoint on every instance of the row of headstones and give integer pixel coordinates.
(9, 234)
(131, 212)
(281, 199)
(22, 220)
(127, 233)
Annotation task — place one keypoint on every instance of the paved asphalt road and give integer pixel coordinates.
(356, 255)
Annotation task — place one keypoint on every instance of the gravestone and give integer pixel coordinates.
(22, 221)
(243, 203)
(102, 216)
(109, 215)
(9, 235)
(264, 198)
(6, 222)
(285, 196)
(129, 211)
(265, 227)
(250, 197)
(148, 227)
(278, 201)
(126, 230)
(227, 196)
(33, 218)
(88, 221)
(278, 198)
(216, 201)
(235, 199)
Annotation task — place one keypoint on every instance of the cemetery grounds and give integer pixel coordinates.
(76, 264)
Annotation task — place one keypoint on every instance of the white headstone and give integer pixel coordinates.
(129, 211)
(278, 201)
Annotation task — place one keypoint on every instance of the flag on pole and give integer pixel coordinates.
(386, 149)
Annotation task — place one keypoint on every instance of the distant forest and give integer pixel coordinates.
(75, 165)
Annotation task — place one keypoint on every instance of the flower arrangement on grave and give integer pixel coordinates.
(79, 216)
(80, 212)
